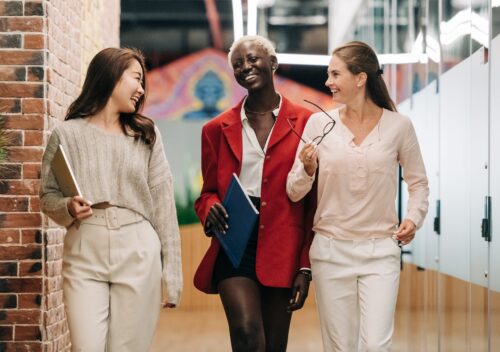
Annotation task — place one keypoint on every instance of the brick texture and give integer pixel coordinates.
(11, 8)
(45, 48)
(12, 73)
(10, 105)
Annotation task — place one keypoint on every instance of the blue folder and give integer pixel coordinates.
(241, 221)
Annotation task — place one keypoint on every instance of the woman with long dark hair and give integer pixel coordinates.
(255, 140)
(124, 226)
(355, 254)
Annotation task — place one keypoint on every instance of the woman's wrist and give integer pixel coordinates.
(309, 171)
(208, 229)
(68, 202)
(306, 273)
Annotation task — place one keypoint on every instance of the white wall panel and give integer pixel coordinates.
(495, 164)
(454, 148)
(430, 152)
(424, 112)
(478, 131)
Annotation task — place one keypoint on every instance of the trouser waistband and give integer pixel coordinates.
(113, 217)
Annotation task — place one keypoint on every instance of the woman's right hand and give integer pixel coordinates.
(309, 157)
(79, 208)
(216, 219)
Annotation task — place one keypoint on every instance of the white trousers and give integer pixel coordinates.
(112, 283)
(356, 291)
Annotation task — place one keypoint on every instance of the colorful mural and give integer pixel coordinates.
(186, 93)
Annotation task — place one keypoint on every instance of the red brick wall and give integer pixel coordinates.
(45, 47)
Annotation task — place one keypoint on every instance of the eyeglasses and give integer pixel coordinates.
(327, 129)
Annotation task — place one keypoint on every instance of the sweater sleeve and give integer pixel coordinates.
(415, 177)
(165, 221)
(53, 203)
(299, 183)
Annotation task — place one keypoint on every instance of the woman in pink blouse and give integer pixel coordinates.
(354, 151)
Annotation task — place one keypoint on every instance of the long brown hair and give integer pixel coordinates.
(104, 72)
(360, 57)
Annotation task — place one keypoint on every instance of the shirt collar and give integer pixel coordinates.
(373, 137)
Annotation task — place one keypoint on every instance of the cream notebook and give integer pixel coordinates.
(64, 174)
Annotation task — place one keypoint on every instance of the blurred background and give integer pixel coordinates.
(440, 59)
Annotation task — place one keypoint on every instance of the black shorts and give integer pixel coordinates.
(224, 269)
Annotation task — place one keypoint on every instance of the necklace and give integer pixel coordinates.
(263, 112)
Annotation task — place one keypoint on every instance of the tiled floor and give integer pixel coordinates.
(461, 321)
(182, 331)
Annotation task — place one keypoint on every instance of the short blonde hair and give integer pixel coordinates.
(263, 42)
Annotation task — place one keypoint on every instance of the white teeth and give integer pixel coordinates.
(249, 77)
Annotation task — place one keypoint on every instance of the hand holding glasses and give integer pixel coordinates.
(309, 157)
(309, 153)
(327, 129)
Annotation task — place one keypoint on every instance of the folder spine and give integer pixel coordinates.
(70, 169)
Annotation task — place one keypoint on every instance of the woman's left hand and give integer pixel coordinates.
(309, 157)
(165, 304)
(300, 289)
(406, 232)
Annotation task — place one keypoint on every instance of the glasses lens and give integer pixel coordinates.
(328, 127)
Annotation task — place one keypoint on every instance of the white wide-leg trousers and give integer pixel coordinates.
(356, 291)
(112, 282)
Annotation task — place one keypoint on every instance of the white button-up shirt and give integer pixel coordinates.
(252, 162)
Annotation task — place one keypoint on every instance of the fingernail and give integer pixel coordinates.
(227, 226)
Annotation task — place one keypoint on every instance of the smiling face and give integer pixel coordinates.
(252, 66)
(129, 89)
(343, 84)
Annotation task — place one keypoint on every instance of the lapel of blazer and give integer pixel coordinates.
(282, 127)
(232, 129)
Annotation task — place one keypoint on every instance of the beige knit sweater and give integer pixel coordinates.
(126, 173)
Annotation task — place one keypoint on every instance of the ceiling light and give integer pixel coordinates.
(324, 60)
(237, 19)
(262, 4)
(302, 59)
(251, 17)
(317, 20)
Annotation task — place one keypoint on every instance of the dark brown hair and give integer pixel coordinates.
(359, 57)
(104, 72)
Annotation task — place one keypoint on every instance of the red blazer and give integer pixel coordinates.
(284, 235)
